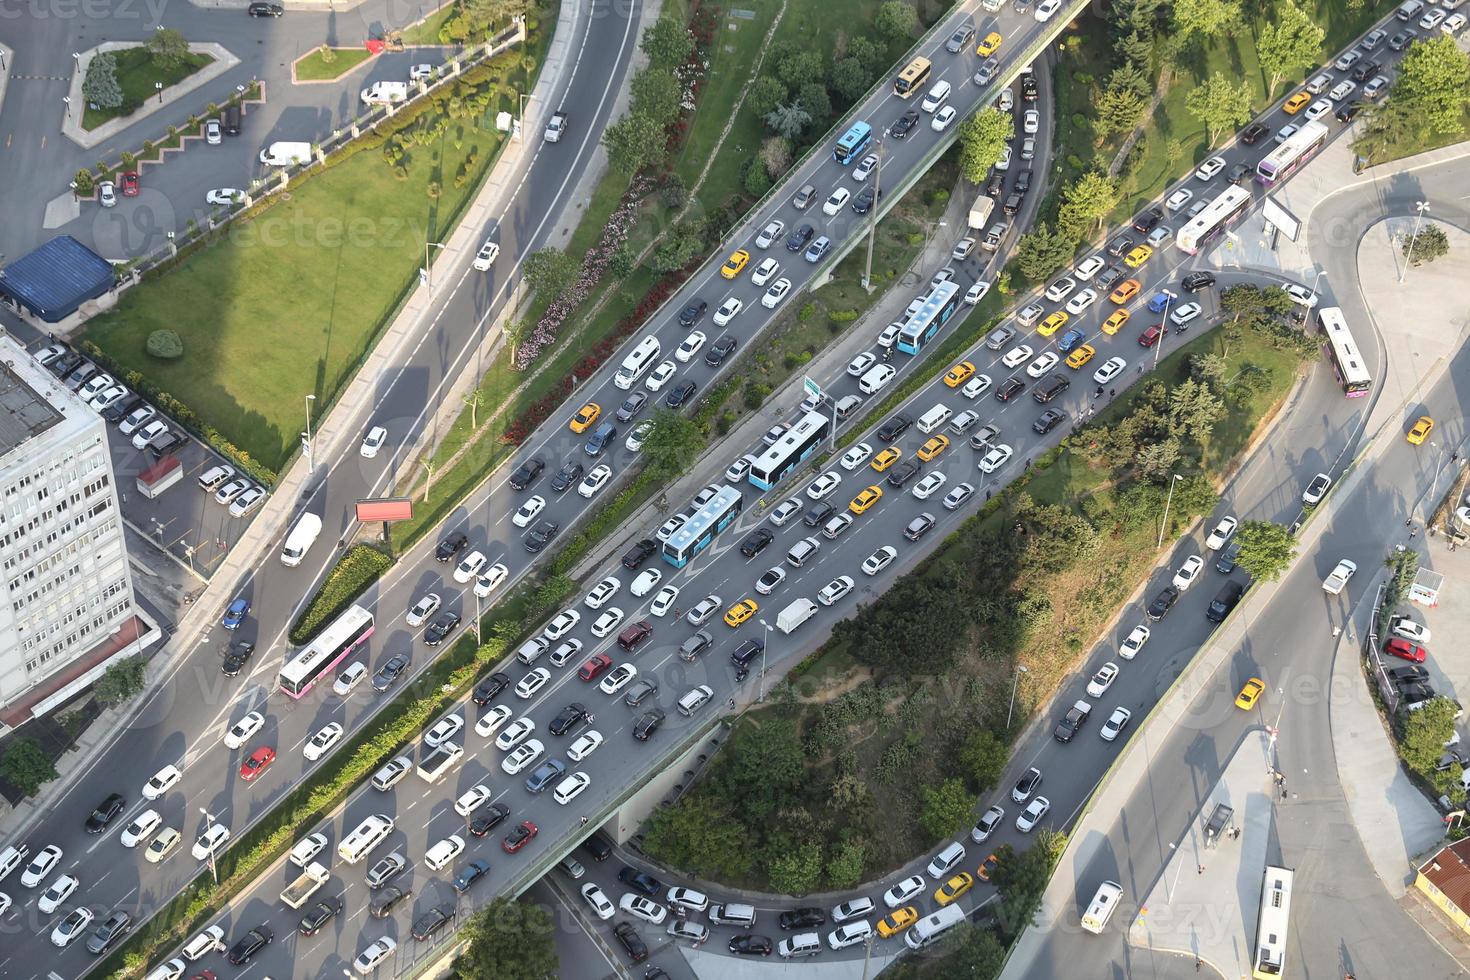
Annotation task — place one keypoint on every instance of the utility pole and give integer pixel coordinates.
(1420, 207)
(873, 218)
(1167, 501)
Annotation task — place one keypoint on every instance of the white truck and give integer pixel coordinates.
(385, 93)
(285, 153)
(1338, 580)
(556, 127)
(980, 212)
(436, 763)
(795, 614)
(311, 878)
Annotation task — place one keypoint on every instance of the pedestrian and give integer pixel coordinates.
(732, 702)
(678, 612)
(584, 821)
(1283, 787)
(1413, 533)
(1112, 392)
(1196, 964)
(1409, 522)
(1202, 869)
(1336, 632)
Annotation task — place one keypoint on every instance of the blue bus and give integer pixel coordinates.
(920, 328)
(853, 143)
(798, 442)
(700, 530)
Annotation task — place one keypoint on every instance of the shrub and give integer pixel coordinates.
(842, 316)
(166, 345)
(359, 568)
(807, 312)
(85, 184)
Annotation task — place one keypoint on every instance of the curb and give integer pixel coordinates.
(71, 126)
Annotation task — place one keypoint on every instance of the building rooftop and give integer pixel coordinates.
(1449, 871)
(54, 280)
(24, 413)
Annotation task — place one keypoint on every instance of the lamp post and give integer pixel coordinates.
(428, 270)
(306, 436)
(760, 682)
(1163, 328)
(934, 227)
(1167, 501)
(209, 818)
(873, 220)
(1315, 281)
(158, 87)
(66, 100)
(1419, 207)
(520, 133)
(1014, 683)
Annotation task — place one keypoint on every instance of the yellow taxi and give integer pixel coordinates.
(897, 921)
(1138, 256)
(1296, 103)
(952, 889)
(1126, 290)
(959, 374)
(585, 416)
(932, 448)
(1421, 430)
(886, 458)
(1250, 694)
(740, 612)
(1053, 323)
(735, 263)
(866, 499)
(1115, 322)
(1080, 356)
(989, 45)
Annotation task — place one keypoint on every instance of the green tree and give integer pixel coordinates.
(947, 808)
(896, 20)
(982, 758)
(869, 52)
(1041, 252)
(982, 141)
(1205, 19)
(1086, 203)
(634, 142)
(1157, 460)
(99, 85)
(845, 867)
(656, 94)
(673, 443)
(1429, 244)
(1291, 41)
(1433, 82)
(1220, 104)
(763, 768)
(975, 953)
(26, 766)
(699, 836)
(120, 682)
(549, 271)
(850, 78)
(757, 181)
(1266, 549)
(801, 68)
(667, 42)
(480, 15)
(1020, 879)
(168, 48)
(765, 93)
(797, 870)
(1056, 538)
(509, 940)
(1425, 732)
(815, 100)
(1118, 110)
(1194, 409)
(788, 121)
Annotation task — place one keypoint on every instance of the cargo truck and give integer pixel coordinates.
(436, 763)
(980, 212)
(305, 885)
(795, 614)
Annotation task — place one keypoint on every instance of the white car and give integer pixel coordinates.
(1110, 370)
(864, 167)
(306, 849)
(776, 293)
(486, 256)
(79, 918)
(469, 567)
(617, 678)
(850, 934)
(348, 680)
(522, 756)
(1044, 362)
(444, 729)
(41, 865)
(372, 442)
(527, 512)
(1178, 199)
(646, 581)
(1188, 572)
(1006, 100)
(1060, 289)
(561, 624)
(787, 509)
(1045, 9)
(1030, 313)
(244, 729)
(738, 470)
(1431, 20)
(995, 458)
(636, 438)
(61, 889)
(943, 118)
(765, 272)
(823, 485)
(584, 745)
(1088, 268)
(594, 481)
(611, 619)
(670, 527)
(956, 497)
(976, 292)
(1300, 295)
(246, 502)
(835, 203)
(888, 336)
(212, 841)
(376, 952)
(876, 378)
(690, 346)
(1133, 643)
(595, 897)
(489, 723)
(770, 234)
(976, 386)
(391, 772)
(329, 735)
(491, 579)
(1035, 811)
(987, 824)
(472, 799)
(664, 601)
(1081, 301)
(163, 781)
(658, 377)
(1184, 312)
(1115, 724)
(514, 734)
(138, 417)
(1031, 122)
(834, 590)
(1004, 163)
(856, 456)
(643, 908)
(156, 428)
(223, 196)
(903, 892)
(1207, 170)
(419, 73)
(859, 365)
(929, 485)
(1221, 533)
(1017, 356)
(1102, 680)
(601, 592)
(728, 310)
(879, 560)
(1317, 110)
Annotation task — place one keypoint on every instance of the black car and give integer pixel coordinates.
(251, 943)
(451, 546)
(472, 873)
(1365, 71)
(1238, 173)
(568, 474)
(757, 542)
(597, 846)
(630, 407)
(1028, 88)
(818, 514)
(894, 427)
(64, 364)
(1229, 554)
(390, 672)
(796, 241)
(383, 905)
(1401, 40)
(995, 186)
(1196, 281)
(122, 409)
(1119, 245)
(166, 445)
(261, 9)
(746, 652)
(105, 813)
(719, 351)
(1048, 420)
(1013, 203)
(571, 715)
(640, 881)
(431, 922)
(1009, 389)
(487, 818)
(1253, 133)
(1052, 386)
(1408, 674)
(631, 942)
(802, 918)
(918, 527)
(1224, 601)
(904, 472)
(864, 200)
(1162, 603)
(904, 124)
(236, 657)
(526, 473)
(1107, 277)
(117, 926)
(1148, 221)
(540, 536)
(750, 945)
(1347, 112)
(679, 394)
(489, 689)
(317, 916)
(693, 313)
(441, 629)
(1023, 182)
(640, 553)
(645, 726)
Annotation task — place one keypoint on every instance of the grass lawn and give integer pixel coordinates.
(137, 76)
(427, 31)
(314, 67)
(1403, 150)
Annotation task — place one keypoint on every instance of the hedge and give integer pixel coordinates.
(359, 568)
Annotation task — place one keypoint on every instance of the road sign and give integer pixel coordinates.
(812, 388)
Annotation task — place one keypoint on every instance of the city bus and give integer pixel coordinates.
(913, 77)
(1206, 226)
(1342, 350)
(931, 927)
(1272, 924)
(1294, 151)
(332, 645)
(697, 533)
(788, 452)
(920, 328)
(853, 143)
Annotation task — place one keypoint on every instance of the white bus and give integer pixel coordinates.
(1109, 893)
(330, 648)
(931, 927)
(1204, 227)
(1342, 349)
(1272, 924)
(1294, 151)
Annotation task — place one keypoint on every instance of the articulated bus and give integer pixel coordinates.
(1272, 924)
(1342, 350)
(920, 328)
(798, 442)
(697, 533)
(1206, 226)
(853, 143)
(912, 78)
(1294, 151)
(332, 645)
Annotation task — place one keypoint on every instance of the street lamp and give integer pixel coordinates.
(1419, 207)
(1167, 501)
(1014, 682)
(428, 273)
(873, 219)
(760, 682)
(306, 436)
(209, 818)
(66, 99)
(520, 133)
(158, 87)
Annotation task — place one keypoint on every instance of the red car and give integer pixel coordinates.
(1151, 336)
(129, 182)
(1405, 650)
(259, 761)
(594, 668)
(517, 838)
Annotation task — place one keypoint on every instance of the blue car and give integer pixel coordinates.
(1161, 299)
(818, 248)
(1070, 339)
(235, 615)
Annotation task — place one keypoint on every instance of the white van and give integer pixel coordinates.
(806, 944)
(933, 419)
(206, 942)
(695, 699)
(936, 96)
(443, 852)
(385, 93)
(300, 539)
(1101, 909)
(637, 362)
(11, 857)
(373, 830)
(733, 914)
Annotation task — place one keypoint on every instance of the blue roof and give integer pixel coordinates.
(53, 281)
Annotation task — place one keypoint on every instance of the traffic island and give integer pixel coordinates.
(75, 117)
